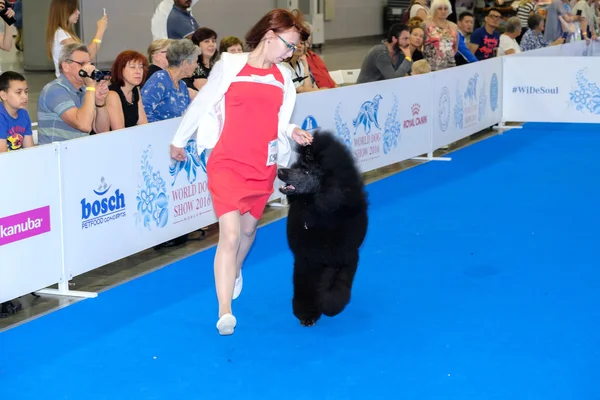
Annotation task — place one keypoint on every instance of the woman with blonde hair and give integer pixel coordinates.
(157, 56)
(441, 37)
(62, 17)
(231, 44)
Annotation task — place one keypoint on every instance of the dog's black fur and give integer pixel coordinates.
(326, 226)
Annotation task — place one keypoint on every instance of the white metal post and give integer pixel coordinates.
(63, 284)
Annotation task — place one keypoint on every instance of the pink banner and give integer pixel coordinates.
(24, 225)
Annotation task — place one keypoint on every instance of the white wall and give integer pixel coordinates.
(129, 23)
(355, 18)
(231, 17)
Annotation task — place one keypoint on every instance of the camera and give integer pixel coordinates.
(10, 21)
(95, 75)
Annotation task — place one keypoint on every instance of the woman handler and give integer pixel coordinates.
(244, 112)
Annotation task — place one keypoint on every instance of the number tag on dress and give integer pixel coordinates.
(272, 157)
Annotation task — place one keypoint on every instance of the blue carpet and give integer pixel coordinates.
(478, 280)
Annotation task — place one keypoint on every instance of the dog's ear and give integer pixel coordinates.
(330, 199)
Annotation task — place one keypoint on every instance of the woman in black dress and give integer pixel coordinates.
(206, 39)
(125, 108)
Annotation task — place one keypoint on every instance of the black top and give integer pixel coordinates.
(151, 70)
(417, 55)
(201, 72)
(130, 110)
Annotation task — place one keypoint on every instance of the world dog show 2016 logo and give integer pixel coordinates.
(471, 105)
(367, 147)
(192, 200)
(106, 205)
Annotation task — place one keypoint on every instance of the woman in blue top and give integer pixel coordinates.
(165, 95)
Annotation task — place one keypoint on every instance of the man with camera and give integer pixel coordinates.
(73, 105)
(8, 16)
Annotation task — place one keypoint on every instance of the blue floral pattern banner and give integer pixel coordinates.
(152, 198)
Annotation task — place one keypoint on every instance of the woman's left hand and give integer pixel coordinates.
(302, 137)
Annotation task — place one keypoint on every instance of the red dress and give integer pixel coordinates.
(242, 167)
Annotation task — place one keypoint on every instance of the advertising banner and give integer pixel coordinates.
(381, 122)
(467, 100)
(30, 224)
(534, 93)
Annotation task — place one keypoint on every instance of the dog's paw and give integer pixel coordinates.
(308, 322)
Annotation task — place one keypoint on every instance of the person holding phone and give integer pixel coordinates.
(60, 31)
(585, 11)
(553, 25)
(534, 38)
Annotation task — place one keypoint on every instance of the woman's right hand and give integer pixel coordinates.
(102, 24)
(178, 153)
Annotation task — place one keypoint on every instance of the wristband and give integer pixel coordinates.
(90, 89)
(97, 41)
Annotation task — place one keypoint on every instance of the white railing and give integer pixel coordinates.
(78, 205)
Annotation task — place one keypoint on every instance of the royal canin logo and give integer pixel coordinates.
(417, 119)
(415, 108)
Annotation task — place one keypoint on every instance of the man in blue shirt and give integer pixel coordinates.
(71, 106)
(485, 40)
(465, 28)
(181, 24)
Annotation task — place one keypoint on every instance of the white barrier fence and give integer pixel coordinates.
(569, 91)
(31, 245)
(95, 200)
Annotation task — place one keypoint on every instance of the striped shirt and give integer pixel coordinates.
(56, 98)
(524, 11)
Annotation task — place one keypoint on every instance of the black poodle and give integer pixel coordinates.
(326, 225)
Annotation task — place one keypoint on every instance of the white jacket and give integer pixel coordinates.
(206, 114)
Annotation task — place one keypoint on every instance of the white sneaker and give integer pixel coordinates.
(237, 289)
(226, 324)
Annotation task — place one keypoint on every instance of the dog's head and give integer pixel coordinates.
(324, 166)
(304, 177)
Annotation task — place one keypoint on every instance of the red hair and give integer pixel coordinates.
(116, 73)
(278, 21)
